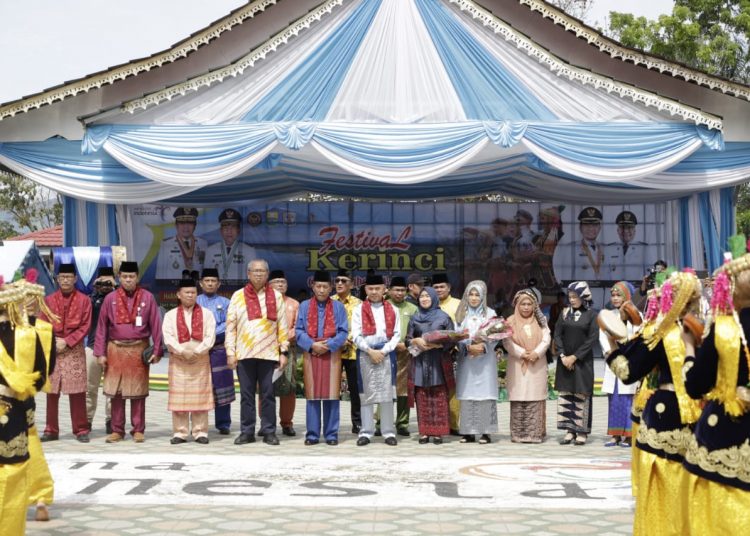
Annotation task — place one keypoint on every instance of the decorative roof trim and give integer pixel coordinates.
(134, 68)
(563, 69)
(236, 68)
(618, 51)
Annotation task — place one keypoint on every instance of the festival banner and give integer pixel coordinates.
(505, 244)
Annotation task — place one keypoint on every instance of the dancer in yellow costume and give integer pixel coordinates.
(666, 423)
(718, 456)
(23, 372)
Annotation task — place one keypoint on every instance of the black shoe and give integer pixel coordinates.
(177, 441)
(202, 440)
(355, 428)
(223, 431)
(378, 433)
(49, 437)
(243, 439)
(310, 442)
(362, 441)
(424, 440)
(270, 439)
(391, 441)
(288, 431)
(437, 440)
(403, 432)
(332, 442)
(83, 438)
(468, 439)
(108, 426)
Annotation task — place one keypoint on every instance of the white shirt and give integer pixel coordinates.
(378, 313)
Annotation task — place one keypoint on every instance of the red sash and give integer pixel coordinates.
(69, 309)
(253, 304)
(329, 323)
(196, 325)
(368, 320)
(123, 315)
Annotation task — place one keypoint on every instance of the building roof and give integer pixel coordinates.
(50, 237)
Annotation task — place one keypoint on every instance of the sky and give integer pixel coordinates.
(46, 42)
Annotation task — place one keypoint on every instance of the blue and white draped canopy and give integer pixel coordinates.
(392, 99)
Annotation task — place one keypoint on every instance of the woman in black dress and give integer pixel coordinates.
(575, 333)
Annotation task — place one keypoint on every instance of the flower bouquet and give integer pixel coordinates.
(494, 329)
(440, 336)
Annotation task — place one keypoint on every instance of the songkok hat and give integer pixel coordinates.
(210, 272)
(229, 215)
(187, 282)
(524, 216)
(499, 221)
(276, 274)
(374, 279)
(415, 279)
(185, 215)
(582, 289)
(321, 276)
(105, 271)
(626, 218)
(590, 215)
(440, 278)
(129, 267)
(398, 281)
(343, 273)
(66, 268)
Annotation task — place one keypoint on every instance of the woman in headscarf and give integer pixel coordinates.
(526, 376)
(575, 334)
(431, 371)
(619, 425)
(476, 373)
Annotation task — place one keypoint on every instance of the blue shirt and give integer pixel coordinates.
(305, 342)
(218, 305)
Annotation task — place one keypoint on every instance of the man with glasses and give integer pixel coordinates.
(73, 311)
(344, 295)
(257, 342)
(103, 285)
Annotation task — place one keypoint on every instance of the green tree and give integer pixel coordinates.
(576, 8)
(709, 35)
(30, 206)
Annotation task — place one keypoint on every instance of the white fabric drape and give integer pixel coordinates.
(397, 75)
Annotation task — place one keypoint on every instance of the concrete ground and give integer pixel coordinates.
(411, 489)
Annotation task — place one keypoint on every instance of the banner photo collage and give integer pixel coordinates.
(503, 244)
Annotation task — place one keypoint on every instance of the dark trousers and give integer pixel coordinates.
(223, 417)
(77, 414)
(350, 368)
(252, 372)
(137, 415)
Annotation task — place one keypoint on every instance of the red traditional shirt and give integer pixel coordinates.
(74, 311)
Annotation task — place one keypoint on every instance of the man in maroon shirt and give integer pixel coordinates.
(73, 310)
(129, 317)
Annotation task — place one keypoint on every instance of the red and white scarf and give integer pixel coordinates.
(196, 325)
(124, 315)
(329, 323)
(368, 320)
(253, 304)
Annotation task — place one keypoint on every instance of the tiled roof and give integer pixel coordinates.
(51, 237)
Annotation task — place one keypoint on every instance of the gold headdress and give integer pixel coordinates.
(680, 292)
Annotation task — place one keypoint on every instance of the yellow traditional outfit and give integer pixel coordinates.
(666, 423)
(23, 372)
(718, 455)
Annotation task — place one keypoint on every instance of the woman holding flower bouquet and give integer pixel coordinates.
(575, 333)
(431, 371)
(526, 376)
(476, 374)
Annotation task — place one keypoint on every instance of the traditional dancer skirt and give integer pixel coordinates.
(662, 503)
(574, 412)
(432, 410)
(528, 421)
(478, 417)
(717, 509)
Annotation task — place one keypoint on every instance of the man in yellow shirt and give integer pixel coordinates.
(448, 304)
(344, 286)
(257, 342)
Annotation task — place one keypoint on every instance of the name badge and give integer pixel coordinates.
(138, 321)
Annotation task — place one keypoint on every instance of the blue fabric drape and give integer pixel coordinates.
(487, 91)
(727, 216)
(686, 254)
(307, 93)
(708, 230)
